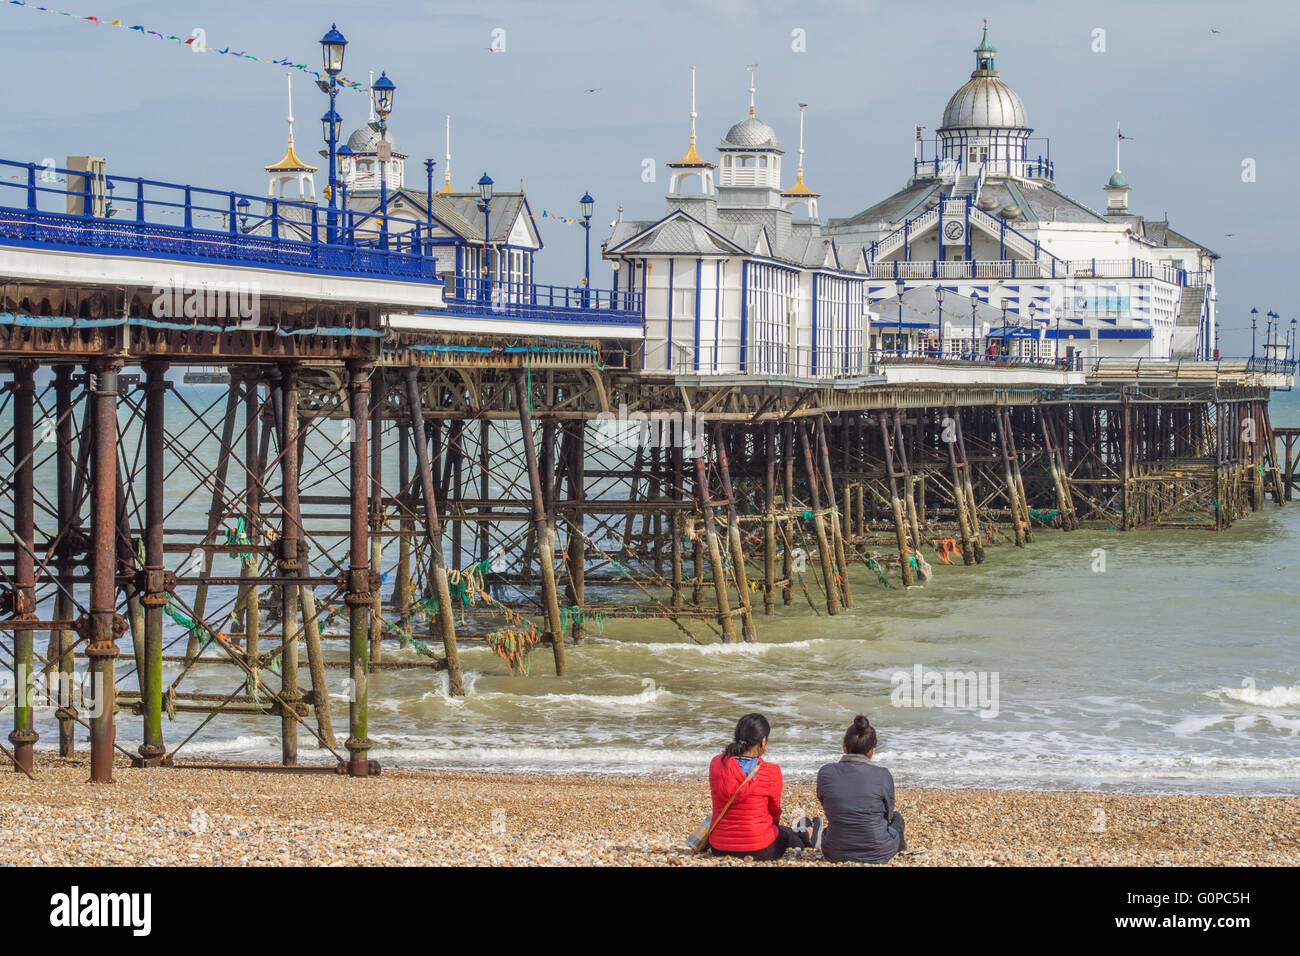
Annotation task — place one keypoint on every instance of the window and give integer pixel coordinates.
(762, 162)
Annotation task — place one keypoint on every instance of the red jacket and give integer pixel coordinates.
(750, 823)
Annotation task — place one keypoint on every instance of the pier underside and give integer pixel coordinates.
(340, 491)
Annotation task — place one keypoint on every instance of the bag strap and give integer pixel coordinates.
(727, 806)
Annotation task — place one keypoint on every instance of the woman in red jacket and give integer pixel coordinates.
(751, 826)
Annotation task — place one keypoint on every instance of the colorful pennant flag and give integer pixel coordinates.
(192, 40)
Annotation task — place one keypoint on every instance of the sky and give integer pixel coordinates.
(1197, 103)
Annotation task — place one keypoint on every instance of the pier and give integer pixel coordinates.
(538, 460)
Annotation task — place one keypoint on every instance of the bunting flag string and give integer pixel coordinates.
(197, 42)
(564, 219)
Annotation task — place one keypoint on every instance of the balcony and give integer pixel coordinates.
(507, 299)
(1041, 269)
(78, 211)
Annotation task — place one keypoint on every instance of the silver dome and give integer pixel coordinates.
(752, 133)
(366, 140)
(985, 101)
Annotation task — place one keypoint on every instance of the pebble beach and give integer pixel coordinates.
(229, 817)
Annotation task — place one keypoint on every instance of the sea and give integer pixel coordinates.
(1154, 661)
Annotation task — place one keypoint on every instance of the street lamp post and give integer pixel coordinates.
(383, 92)
(333, 45)
(1033, 312)
(1005, 303)
(1254, 314)
(588, 205)
(898, 339)
(974, 304)
(1290, 342)
(485, 197)
(938, 297)
(1057, 310)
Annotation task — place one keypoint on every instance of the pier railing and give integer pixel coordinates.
(1040, 269)
(761, 359)
(1191, 369)
(75, 210)
(547, 303)
(883, 357)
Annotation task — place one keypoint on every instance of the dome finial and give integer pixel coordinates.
(752, 67)
(984, 52)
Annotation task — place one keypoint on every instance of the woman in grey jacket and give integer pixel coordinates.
(862, 824)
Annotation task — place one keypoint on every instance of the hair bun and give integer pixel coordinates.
(860, 723)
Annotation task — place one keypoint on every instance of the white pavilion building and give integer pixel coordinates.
(978, 252)
(983, 215)
(733, 282)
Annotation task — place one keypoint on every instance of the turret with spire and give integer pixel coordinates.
(692, 163)
(751, 161)
(291, 169)
(799, 192)
(1117, 186)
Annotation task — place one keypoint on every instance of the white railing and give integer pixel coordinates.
(800, 361)
(895, 239)
(1010, 238)
(962, 269)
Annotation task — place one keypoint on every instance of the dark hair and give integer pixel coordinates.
(750, 732)
(860, 738)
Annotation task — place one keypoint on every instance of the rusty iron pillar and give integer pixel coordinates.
(23, 607)
(156, 582)
(290, 564)
(105, 625)
(361, 581)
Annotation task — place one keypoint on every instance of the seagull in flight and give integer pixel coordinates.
(594, 89)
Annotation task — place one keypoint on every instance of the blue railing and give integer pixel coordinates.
(505, 298)
(1272, 366)
(1036, 168)
(75, 210)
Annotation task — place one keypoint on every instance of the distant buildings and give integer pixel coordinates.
(452, 222)
(734, 282)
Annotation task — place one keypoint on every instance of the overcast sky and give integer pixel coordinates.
(1196, 102)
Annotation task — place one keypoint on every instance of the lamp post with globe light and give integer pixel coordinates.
(333, 45)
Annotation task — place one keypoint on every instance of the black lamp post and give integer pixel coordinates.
(588, 205)
(1290, 342)
(974, 304)
(1033, 312)
(898, 339)
(1059, 357)
(383, 90)
(938, 297)
(1005, 303)
(485, 203)
(332, 46)
(1254, 314)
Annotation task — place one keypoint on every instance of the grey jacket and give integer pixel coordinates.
(858, 797)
